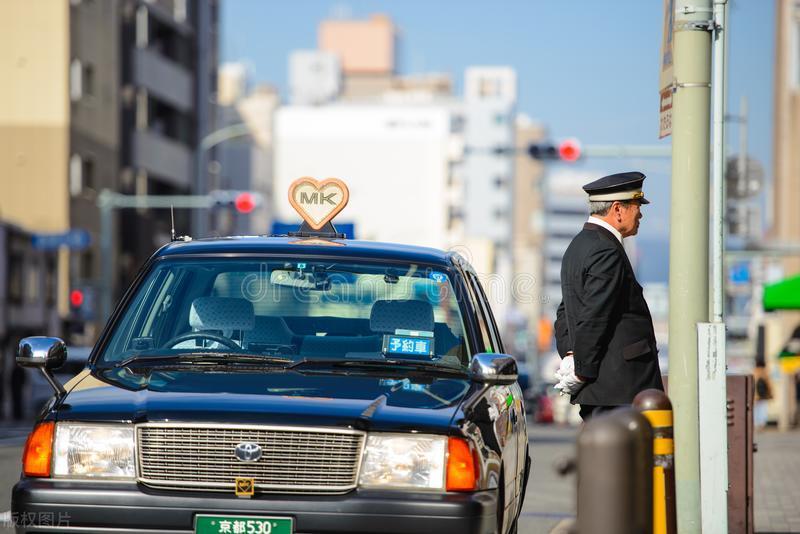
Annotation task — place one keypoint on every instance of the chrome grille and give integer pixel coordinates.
(293, 459)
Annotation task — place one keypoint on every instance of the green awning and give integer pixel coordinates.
(783, 295)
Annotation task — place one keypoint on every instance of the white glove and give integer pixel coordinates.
(568, 382)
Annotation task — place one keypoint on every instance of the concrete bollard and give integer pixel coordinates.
(615, 474)
(656, 406)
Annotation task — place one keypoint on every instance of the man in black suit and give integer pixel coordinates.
(604, 332)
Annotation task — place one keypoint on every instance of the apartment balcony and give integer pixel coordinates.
(161, 156)
(163, 79)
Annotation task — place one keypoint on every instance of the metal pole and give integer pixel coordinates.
(104, 203)
(689, 217)
(718, 167)
(712, 396)
(200, 226)
(741, 163)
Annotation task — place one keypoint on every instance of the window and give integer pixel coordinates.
(294, 307)
(75, 175)
(142, 27)
(51, 280)
(32, 283)
(483, 326)
(88, 80)
(88, 173)
(75, 80)
(81, 80)
(81, 174)
(498, 344)
(15, 270)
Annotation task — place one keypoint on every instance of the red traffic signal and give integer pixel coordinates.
(76, 298)
(244, 202)
(569, 150)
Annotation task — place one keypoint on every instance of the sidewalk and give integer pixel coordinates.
(777, 482)
(550, 499)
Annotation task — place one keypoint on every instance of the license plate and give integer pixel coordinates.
(242, 524)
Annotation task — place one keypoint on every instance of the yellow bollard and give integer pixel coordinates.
(656, 406)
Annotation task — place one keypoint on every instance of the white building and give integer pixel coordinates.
(396, 160)
(490, 96)
(315, 77)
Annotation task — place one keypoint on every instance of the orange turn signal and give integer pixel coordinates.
(461, 466)
(39, 451)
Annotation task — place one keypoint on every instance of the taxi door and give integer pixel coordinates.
(505, 398)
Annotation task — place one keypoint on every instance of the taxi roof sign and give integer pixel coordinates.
(318, 202)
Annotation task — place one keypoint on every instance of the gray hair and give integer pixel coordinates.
(600, 207)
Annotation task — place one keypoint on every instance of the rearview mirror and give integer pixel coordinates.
(301, 280)
(488, 368)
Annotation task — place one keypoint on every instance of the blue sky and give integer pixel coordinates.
(586, 69)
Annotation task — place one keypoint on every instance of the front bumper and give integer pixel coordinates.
(44, 505)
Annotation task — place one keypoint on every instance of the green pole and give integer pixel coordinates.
(689, 235)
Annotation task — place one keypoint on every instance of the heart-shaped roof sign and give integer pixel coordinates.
(318, 202)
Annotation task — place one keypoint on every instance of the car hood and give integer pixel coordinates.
(389, 402)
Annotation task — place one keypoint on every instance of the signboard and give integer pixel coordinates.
(318, 202)
(75, 239)
(666, 77)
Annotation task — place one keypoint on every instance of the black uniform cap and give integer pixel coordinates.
(620, 186)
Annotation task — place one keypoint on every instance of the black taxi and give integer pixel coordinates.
(283, 385)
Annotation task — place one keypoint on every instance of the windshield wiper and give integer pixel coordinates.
(377, 365)
(207, 357)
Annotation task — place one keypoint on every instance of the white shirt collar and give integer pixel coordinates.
(604, 224)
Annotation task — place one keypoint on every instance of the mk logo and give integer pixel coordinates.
(245, 487)
(317, 197)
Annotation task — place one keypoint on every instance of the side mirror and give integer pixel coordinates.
(45, 353)
(500, 369)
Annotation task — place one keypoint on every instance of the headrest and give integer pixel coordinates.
(388, 315)
(269, 329)
(221, 313)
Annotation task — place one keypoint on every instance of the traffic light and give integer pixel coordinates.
(241, 201)
(244, 203)
(82, 302)
(568, 151)
(76, 298)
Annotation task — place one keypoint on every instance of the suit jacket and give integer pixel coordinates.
(604, 320)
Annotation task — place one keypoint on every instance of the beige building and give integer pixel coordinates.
(366, 50)
(35, 119)
(98, 96)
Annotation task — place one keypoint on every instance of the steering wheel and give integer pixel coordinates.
(222, 340)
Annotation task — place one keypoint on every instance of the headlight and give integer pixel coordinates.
(404, 461)
(94, 451)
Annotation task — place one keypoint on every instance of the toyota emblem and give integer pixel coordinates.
(248, 452)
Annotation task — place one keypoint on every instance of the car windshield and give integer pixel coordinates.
(292, 310)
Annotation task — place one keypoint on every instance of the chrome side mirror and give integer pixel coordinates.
(45, 353)
(487, 368)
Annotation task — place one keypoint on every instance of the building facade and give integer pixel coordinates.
(109, 95)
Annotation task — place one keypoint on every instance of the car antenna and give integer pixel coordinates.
(172, 217)
(172, 227)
